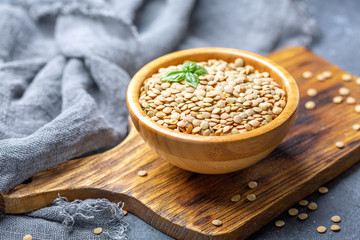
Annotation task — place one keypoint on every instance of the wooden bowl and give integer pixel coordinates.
(213, 154)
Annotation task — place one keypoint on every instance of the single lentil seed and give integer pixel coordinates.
(340, 145)
(293, 211)
(303, 203)
(217, 222)
(336, 219)
(346, 77)
(27, 237)
(338, 99)
(98, 230)
(356, 127)
(312, 206)
(235, 198)
(142, 173)
(323, 190)
(335, 228)
(310, 105)
(344, 91)
(357, 108)
(321, 229)
(307, 74)
(279, 223)
(350, 100)
(125, 212)
(252, 184)
(311, 92)
(251, 197)
(303, 216)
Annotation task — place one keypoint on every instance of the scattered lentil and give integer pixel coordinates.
(344, 91)
(142, 173)
(336, 219)
(321, 229)
(217, 222)
(279, 223)
(27, 237)
(356, 127)
(320, 77)
(125, 212)
(327, 74)
(340, 145)
(307, 74)
(232, 98)
(311, 92)
(251, 197)
(338, 99)
(357, 108)
(235, 198)
(350, 100)
(293, 211)
(323, 190)
(252, 184)
(304, 203)
(312, 206)
(303, 216)
(335, 228)
(310, 105)
(346, 77)
(98, 230)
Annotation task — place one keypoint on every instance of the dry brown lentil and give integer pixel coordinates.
(303, 216)
(310, 105)
(338, 99)
(356, 127)
(252, 184)
(312, 206)
(311, 92)
(251, 197)
(335, 228)
(238, 99)
(293, 211)
(346, 77)
(27, 237)
(336, 219)
(217, 222)
(323, 190)
(350, 100)
(279, 223)
(321, 229)
(98, 230)
(235, 198)
(142, 173)
(340, 145)
(357, 108)
(344, 91)
(303, 203)
(307, 74)
(125, 212)
(327, 74)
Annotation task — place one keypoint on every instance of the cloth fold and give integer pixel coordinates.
(65, 66)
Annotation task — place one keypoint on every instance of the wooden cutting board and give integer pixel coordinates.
(183, 204)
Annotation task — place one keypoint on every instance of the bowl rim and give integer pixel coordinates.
(136, 110)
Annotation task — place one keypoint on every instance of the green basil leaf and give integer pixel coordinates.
(173, 76)
(192, 79)
(200, 70)
(189, 67)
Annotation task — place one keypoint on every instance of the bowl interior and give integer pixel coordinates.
(280, 75)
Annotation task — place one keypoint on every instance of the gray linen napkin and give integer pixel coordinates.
(65, 66)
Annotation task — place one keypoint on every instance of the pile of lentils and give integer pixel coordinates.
(231, 98)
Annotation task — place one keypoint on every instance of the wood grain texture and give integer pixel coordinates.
(183, 204)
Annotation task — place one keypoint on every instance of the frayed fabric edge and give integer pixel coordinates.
(86, 209)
